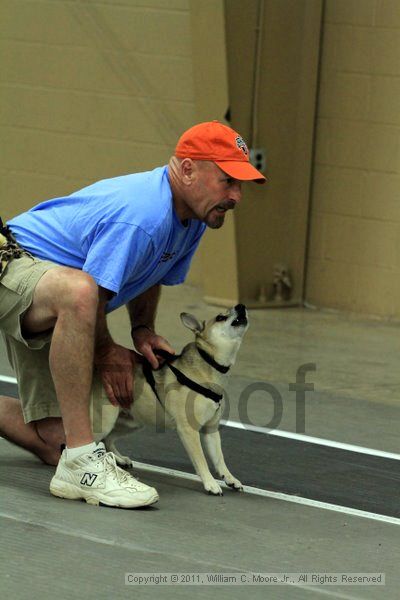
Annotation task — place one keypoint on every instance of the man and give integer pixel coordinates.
(112, 243)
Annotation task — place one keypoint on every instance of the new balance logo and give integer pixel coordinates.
(88, 479)
(99, 452)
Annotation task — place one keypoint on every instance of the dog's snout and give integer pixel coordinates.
(241, 315)
(240, 309)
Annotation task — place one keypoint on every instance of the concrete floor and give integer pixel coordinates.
(67, 549)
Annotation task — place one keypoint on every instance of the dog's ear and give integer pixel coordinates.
(192, 323)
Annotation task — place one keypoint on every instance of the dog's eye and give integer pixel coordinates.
(221, 318)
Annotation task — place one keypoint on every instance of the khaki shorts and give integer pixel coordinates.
(29, 357)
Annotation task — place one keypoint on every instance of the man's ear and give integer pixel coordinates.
(192, 323)
(187, 170)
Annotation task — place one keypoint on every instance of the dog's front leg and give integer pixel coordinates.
(212, 441)
(124, 426)
(191, 440)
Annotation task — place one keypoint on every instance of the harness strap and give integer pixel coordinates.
(204, 355)
(196, 387)
(181, 378)
(209, 359)
(148, 375)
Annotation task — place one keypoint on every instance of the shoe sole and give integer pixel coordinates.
(70, 492)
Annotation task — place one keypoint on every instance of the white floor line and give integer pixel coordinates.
(288, 435)
(275, 495)
(8, 379)
(311, 440)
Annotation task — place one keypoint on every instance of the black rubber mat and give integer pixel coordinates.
(268, 462)
(316, 472)
(8, 389)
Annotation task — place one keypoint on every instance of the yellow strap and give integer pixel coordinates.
(3, 240)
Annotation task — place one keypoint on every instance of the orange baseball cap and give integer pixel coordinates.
(221, 144)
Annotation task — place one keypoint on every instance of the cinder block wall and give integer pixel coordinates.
(89, 90)
(354, 251)
(93, 89)
(271, 222)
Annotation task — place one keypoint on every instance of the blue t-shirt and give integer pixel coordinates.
(123, 231)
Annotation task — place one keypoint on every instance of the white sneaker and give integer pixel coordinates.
(96, 478)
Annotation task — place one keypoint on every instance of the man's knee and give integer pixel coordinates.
(74, 289)
(62, 291)
(80, 295)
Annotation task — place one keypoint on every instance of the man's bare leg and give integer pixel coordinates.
(67, 300)
(42, 438)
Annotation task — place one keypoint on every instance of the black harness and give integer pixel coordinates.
(181, 377)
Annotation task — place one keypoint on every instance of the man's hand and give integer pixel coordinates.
(146, 341)
(116, 367)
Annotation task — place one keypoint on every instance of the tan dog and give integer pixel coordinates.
(184, 394)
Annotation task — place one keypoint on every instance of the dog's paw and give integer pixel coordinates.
(213, 488)
(233, 483)
(124, 461)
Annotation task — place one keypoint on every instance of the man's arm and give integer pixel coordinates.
(103, 336)
(142, 310)
(142, 313)
(114, 362)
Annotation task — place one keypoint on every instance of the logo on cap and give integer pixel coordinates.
(241, 144)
